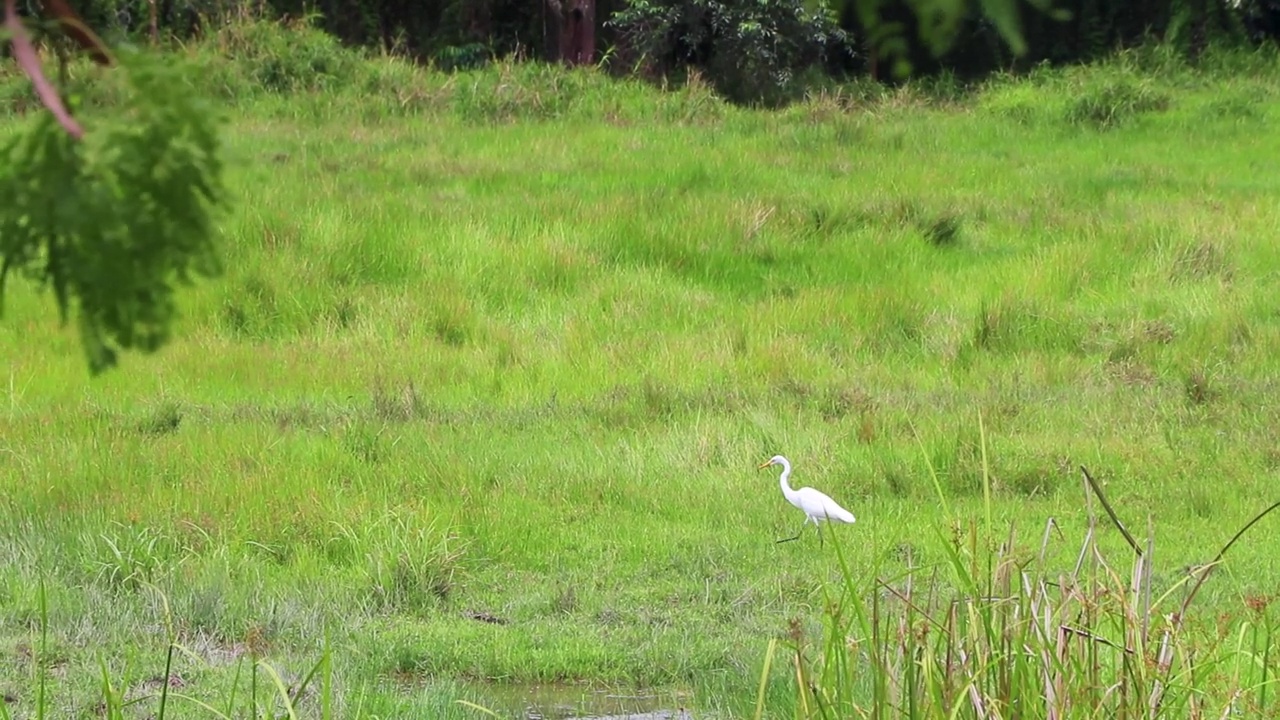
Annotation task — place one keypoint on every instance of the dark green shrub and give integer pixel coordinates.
(750, 50)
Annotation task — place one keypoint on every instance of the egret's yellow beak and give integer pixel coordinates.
(766, 464)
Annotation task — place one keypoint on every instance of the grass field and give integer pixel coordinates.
(510, 344)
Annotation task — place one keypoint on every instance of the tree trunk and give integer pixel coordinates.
(571, 31)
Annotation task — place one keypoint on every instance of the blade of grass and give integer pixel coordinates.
(306, 679)
(170, 636)
(764, 677)
(164, 685)
(1218, 558)
(202, 704)
(326, 695)
(235, 685)
(110, 703)
(986, 473)
(1102, 498)
(40, 658)
(280, 688)
(473, 706)
(933, 473)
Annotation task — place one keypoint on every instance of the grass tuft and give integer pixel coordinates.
(412, 568)
(163, 419)
(1114, 102)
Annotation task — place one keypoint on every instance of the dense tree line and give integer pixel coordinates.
(675, 32)
(752, 50)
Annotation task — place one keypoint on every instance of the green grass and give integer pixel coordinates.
(512, 342)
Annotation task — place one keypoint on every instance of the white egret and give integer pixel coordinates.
(816, 505)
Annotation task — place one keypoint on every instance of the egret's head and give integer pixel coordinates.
(775, 460)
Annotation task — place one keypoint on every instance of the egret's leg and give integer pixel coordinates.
(797, 537)
(798, 534)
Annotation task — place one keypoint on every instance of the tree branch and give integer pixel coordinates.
(25, 53)
(74, 27)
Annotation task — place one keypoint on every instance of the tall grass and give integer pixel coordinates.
(995, 632)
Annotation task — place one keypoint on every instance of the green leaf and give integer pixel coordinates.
(1004, 14)
(111, 221)
(939, 23)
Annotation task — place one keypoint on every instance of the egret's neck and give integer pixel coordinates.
(782, 480)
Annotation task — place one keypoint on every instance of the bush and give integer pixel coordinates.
(1115, 101)
(750, 50)
(276, 57)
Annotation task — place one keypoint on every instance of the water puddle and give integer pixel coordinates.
(578, 702)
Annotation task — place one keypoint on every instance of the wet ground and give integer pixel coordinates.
(575, 702)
